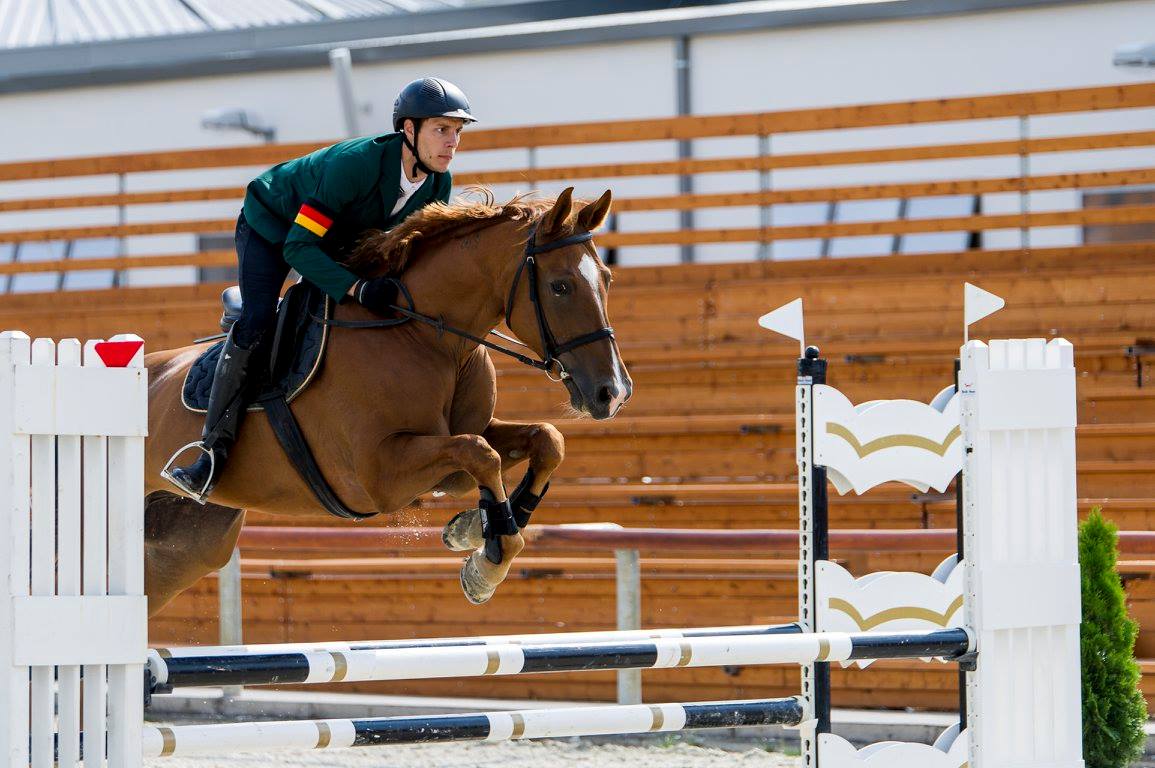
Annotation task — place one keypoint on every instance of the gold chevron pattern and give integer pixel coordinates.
(866, 623)
(893, 441)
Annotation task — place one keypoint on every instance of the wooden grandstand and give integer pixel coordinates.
(707, 441)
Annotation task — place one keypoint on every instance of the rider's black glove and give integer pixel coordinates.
(376, 294)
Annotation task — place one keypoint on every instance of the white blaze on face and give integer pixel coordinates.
(589, 270)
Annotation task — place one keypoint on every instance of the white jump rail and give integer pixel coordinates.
(423, 663)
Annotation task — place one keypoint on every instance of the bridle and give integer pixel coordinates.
(549, 344)
(551, 348)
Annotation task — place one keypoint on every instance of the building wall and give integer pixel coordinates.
(1043, 48)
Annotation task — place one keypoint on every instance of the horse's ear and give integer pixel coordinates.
(557, 215)
(592, 216)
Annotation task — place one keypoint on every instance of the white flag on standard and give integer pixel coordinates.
(786, 320)
(978, 304)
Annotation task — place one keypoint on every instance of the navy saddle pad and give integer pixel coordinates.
(296, 351)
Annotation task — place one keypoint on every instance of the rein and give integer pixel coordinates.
(528, 267)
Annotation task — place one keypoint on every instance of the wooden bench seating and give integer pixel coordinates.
(762, 450)
(727, 506)
(726, 296)
(1103, 397)
(943, 266)
(182, 314)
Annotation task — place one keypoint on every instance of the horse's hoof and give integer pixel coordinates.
(477, 590)
(463, 532)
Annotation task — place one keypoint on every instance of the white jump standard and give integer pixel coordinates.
(1009, 426)
(72, 427)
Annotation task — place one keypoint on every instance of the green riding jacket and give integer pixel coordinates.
(318, 205)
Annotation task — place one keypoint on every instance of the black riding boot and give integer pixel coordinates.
(225, 411)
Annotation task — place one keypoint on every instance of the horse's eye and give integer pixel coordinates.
(559, 287)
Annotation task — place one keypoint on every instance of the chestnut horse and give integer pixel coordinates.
(398, 412)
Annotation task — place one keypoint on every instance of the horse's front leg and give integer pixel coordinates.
(544, 447)
(424, 460)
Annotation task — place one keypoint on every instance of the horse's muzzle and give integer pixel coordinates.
(601, 399)
(612, 396)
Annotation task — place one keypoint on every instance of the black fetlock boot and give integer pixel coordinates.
(523, 501)
(225, 410)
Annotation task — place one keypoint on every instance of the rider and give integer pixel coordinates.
(303, 213)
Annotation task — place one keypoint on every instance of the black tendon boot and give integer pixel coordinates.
(225, 411)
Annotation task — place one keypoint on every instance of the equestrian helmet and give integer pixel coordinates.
(430, 97)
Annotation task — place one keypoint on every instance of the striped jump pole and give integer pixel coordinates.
(516, 659)
(183, 740)
(544, 638)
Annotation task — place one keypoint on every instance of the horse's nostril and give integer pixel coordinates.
(606, 395)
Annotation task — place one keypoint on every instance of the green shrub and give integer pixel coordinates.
(1114, 710)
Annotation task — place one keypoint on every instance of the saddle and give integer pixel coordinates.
(295, 355)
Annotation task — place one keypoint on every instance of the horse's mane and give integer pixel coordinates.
(388, 253)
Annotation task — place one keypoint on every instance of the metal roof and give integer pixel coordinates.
(47, 44)
(61, 22)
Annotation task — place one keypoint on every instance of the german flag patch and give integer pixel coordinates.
(313, 218)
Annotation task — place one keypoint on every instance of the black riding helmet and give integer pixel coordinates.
(425, 98)
(430, 97)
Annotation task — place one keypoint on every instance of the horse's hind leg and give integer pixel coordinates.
(423, 461)
(515, 442)
(183, 541)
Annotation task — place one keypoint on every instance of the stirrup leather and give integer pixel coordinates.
(201, 496)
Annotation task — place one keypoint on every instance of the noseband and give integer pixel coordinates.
(551, 349)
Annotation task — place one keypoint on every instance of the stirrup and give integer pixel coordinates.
(201, 496)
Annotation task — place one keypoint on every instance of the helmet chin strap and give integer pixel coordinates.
(417, 164)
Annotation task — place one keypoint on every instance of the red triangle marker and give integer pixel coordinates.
(117, 354)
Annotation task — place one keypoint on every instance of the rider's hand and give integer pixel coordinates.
(376, 294)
